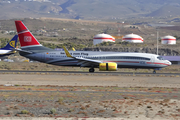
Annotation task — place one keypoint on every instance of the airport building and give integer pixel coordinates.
(168, 40)
(99, 38)
(133, 38)
(173, 59)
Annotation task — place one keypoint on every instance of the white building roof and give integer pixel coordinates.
(133, 38)
(168, 40)
(168, 37)
(99, 38)
(103, 36)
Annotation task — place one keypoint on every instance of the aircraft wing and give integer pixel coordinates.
(87, 62)
(82, 61)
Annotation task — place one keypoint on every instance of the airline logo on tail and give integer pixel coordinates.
(12, 44)
(27, 39)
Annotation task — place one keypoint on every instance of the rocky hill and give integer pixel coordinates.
(91, 9)
(167, 10)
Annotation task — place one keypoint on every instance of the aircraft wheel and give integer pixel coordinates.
(91, 70)
(154, 71)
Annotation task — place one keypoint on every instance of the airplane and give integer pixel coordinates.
(105, 61)
(9, 48)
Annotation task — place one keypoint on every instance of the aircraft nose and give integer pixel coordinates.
(169, 63)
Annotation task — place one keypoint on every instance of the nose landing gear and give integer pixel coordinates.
(154, 72)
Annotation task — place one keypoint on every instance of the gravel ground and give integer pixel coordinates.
(97, 97)
(45, 118)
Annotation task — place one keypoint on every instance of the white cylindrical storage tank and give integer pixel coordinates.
(168, 40)
(99, 38)
(133, 38)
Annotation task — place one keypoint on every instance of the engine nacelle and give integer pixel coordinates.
(108, 66)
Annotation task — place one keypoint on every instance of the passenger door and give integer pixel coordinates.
(152, 60)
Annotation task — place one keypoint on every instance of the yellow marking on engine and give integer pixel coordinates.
(108, 66)
(103, 66)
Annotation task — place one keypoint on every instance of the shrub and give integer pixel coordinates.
(53, 111)
(24, 112)
(60, 100)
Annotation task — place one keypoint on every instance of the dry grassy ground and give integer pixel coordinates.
(81, 96)
(100, 96)
(88, 102)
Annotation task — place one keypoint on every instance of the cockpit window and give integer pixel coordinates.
(160, 58)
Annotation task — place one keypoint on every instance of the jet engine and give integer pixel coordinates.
(108, 66)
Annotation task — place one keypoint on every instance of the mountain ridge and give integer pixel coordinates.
(90, 9)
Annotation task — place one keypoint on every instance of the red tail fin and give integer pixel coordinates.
(25, 37)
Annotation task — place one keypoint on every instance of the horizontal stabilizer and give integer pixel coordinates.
(20, 50)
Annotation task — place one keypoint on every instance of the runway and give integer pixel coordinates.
(71, 78)
(87, 73)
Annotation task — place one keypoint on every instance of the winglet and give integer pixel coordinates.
(73, 49)
(67, 52)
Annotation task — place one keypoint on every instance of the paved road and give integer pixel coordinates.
(71, 78)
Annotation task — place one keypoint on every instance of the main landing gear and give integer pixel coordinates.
(154, 72)
(91, 70)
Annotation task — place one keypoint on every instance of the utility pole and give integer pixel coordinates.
(157, 39)
(0, 28)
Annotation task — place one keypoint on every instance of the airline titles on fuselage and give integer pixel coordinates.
(83, 54)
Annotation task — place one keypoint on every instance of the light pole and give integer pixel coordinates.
(157, 38)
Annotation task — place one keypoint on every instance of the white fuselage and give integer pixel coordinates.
(2, 52)
(5, 52)
(123, 60)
